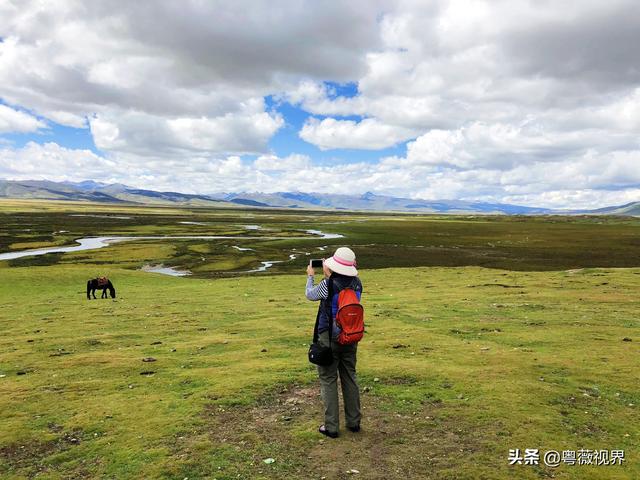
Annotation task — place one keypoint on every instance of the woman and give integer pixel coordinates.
(339, 272)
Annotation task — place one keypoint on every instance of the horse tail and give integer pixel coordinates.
(112, 289)
(88, 289)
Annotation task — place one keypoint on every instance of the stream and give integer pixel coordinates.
(92, 243)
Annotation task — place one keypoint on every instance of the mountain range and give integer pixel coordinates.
(118, 193)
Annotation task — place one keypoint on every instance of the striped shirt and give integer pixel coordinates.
(318, 292)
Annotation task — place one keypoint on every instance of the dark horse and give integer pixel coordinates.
(100, 283)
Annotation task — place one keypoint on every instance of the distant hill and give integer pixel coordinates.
(118, 193)
(37, 189)
(632, 208)
(371, 201)
(98, 192)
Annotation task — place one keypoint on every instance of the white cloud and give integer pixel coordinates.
(273, 163)
(585, 181)
(505, 146)
(50, 161)
(577, 199)
(367, 134)
(527, 102)
(149, 135)
(12, 120)
(451, 66)
(193, 69)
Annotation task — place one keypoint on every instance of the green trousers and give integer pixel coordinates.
(344, 363)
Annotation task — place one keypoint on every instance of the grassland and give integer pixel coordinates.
(460, 362)
(382, 240)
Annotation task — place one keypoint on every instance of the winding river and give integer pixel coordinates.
(92, 243)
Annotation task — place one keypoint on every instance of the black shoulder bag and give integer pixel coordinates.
(318, 354)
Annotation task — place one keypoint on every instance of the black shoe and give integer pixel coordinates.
(326, 432)
(355, 429)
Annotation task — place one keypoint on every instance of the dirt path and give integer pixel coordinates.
(282, 425)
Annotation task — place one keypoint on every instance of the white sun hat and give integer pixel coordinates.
(343, 262)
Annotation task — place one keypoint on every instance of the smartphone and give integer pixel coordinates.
(316, 263)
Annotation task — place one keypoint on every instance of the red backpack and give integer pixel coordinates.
(350, 317)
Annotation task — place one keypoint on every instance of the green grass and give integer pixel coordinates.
(460, 363)
(381, 240)
(479, 367)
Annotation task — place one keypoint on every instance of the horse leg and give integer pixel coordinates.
(93, 292)
(104, 293)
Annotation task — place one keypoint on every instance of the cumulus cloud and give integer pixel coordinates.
(50, 161)
(446, 64)
(273, 163)
(506, 146)
(582, 182)
(367, 134)
(12, 120)
(144, 134)
(518, 101)
(195, 70)
(508, 101)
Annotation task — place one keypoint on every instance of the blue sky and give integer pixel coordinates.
(286, 141)
(443, 99)
(69, 137)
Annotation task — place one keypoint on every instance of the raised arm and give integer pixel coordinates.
(318, 292)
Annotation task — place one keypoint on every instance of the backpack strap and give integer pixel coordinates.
(330, 295)
(315, 328)
(330, 313)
